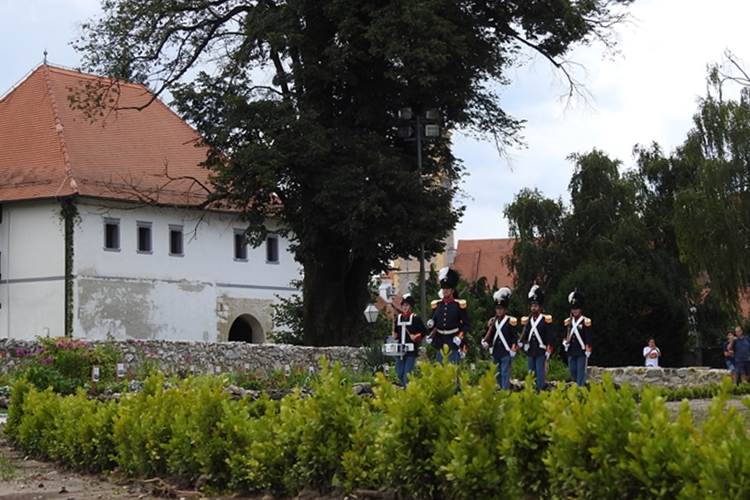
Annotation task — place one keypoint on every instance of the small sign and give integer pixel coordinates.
(192, 369)
(217, 369)
(120, 371)
(95, 374)
(287, 370)
(356, 368)
(247, 367)
(473, 367)
(385, 369)
(311, 370)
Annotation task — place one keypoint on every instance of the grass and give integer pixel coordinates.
(7, 469)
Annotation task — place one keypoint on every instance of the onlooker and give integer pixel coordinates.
(729, 355)
(741, 348)
(501, 338)
(651, 353)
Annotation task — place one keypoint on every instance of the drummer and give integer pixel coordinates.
(408, 330)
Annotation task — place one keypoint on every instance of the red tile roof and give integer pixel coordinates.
(48, 149)
(484, 258)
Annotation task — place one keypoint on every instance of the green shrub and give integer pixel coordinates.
(142, 428)
(468, 459)
(586, 456)
(410, 433)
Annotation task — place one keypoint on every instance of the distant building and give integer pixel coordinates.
(485, 258)
(103, 229)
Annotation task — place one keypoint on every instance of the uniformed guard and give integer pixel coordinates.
(408, 329)
(537, 337)
(579, 338)
(502, 337)
(449, 322)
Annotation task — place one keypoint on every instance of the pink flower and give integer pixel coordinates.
(47, 361)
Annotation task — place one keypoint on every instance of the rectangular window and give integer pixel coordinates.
(144, 237)
(272, 249)
(240, 245)
(175, 240)
(111, 234)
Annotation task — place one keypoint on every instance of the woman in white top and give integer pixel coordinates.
(651, 353)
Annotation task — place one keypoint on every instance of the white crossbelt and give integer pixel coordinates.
(574, 329)
(498, 333)
(535, 332)
(403, 324)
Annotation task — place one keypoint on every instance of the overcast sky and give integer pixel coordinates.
(645, 94)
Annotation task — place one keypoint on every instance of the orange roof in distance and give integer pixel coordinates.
(48, 149)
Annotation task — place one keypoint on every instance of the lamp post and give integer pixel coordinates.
(431, 129)
(371, 315)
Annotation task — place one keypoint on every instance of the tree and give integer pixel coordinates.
(712, 220)
(300, 110)
(611, 246)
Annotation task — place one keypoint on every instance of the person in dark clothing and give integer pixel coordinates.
(537, 337)
(449, 322)
(501, 338)
(728, 349)
(579, 338)
(408, 329)
(741, 354)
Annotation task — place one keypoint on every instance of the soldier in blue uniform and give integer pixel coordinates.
(449, 322)
(579, 338)
(537, 337)
(501, 338)
(408, 329)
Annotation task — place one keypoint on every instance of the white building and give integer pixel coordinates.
(102, 230)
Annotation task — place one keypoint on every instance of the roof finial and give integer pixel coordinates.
(45, 56)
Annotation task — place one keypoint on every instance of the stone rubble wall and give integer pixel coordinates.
(199, 357)
(670, 378)
(264, 359)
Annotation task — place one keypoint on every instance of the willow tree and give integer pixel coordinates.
(299, 101)
(712, 213)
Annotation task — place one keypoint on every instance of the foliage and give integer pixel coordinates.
(616, 245)
(65, 364)
(314, 146)
(288, 316)
(427, 441)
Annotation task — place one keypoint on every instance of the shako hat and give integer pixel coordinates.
(448, 278)
(575, 299)
(502, 297)
(536, 295)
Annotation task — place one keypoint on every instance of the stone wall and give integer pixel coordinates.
(203, 357)
(198, 357)
(671, 378)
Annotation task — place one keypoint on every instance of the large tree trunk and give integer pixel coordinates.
(336, 294)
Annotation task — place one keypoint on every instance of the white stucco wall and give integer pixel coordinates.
(32, 270)
(129, 294)
(195, 296)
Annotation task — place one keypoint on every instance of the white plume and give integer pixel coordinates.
(443, 273)
(533, 290)
(570, 297)
(502, 293)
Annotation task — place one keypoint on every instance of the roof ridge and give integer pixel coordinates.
(59, 129)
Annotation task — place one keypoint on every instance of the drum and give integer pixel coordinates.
(397, 349)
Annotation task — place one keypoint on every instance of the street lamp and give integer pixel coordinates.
(371, 314)
(431, 129)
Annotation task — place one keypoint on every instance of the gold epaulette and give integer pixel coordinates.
(434, 304)
(462, 303)
(524, 319)
(566, 322)
(548, 318)
(512, 320)
(586, 321)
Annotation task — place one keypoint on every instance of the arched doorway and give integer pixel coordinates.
(245, 328)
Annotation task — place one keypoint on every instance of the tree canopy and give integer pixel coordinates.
(300, 107)
(614, 244)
